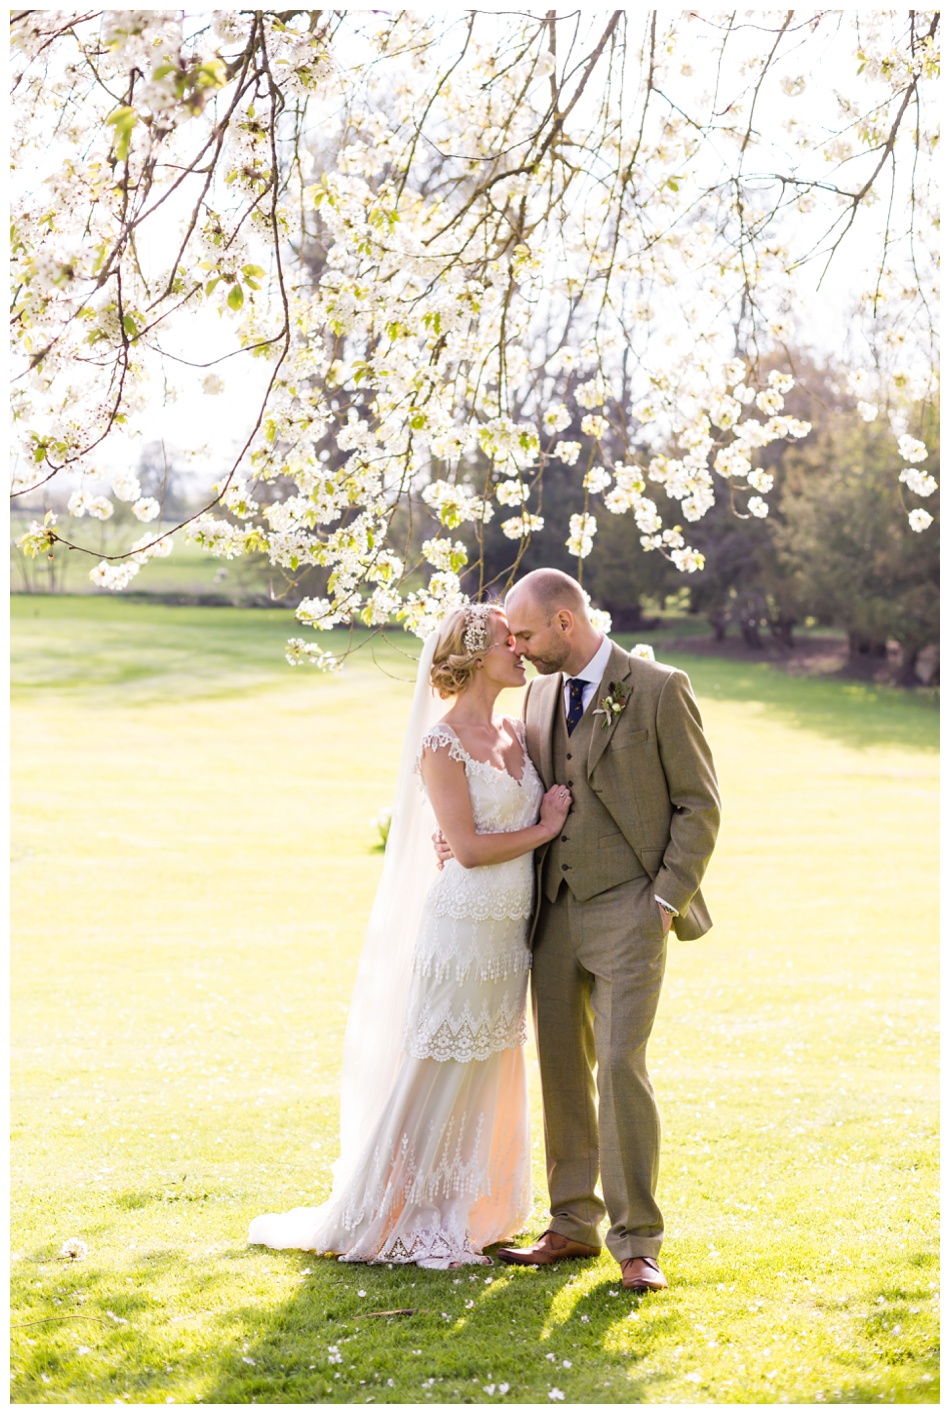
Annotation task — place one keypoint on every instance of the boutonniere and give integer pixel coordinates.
(613, 704)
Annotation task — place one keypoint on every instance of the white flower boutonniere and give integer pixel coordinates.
(613, 704)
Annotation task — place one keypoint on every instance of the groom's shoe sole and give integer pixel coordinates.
(551, 1247)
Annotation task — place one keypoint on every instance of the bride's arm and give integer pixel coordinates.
(448, 791)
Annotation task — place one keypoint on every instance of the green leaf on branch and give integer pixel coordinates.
(252, 275)
(123, 120)
(212, 74)
(235, 297)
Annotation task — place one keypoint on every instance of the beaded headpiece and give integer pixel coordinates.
(477, 635)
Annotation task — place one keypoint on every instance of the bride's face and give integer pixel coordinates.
(501, 663)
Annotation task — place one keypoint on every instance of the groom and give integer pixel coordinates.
(625, 734)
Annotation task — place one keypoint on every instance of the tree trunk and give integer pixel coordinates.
(750, 632)
(718, 623)
(920, 666)
(782, 630)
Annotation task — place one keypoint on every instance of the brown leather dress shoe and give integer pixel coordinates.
(642, 1274)
(550, 1247)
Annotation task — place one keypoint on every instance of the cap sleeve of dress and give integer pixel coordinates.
(436, 737)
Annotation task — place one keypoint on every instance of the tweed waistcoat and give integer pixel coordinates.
(590, 854)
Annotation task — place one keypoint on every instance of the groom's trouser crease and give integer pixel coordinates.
(596, 980)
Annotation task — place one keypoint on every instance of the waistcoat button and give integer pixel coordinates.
(564, 839)
(565, 866)
(569, 756)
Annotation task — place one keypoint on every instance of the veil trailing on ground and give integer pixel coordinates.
(374, 1028)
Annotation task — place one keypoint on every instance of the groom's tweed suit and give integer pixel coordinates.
(644, 819)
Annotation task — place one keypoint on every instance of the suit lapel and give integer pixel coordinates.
(548, 696)
(618, 671)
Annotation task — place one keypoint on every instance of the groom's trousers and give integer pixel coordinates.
(596, 977)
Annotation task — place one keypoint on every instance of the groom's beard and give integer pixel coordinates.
(551, 663)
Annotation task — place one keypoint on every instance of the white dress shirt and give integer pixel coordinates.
(592, 676)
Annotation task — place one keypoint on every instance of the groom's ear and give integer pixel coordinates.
(564, 620)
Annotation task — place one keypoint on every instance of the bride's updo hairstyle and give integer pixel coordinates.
(464, 636)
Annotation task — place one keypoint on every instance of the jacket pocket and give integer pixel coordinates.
(630, 740)
(652, 860)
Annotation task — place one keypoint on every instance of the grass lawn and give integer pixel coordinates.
(188, 571)
(193, 866)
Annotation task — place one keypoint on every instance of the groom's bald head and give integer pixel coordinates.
(547, 616)
(548, 591)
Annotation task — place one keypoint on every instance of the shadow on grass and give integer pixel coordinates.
(176, 1331)
(856, 714)
(472, 1336)
(469, 1336)
(883, 1339)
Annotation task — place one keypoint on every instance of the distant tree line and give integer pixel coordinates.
(835, 547)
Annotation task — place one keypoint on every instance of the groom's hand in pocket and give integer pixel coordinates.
(665, 915)
(443, 852)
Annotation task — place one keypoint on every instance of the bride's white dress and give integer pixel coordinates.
(446, 1170)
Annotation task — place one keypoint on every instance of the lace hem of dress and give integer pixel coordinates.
(432, 1248)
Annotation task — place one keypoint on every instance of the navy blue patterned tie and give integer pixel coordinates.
(576, 708)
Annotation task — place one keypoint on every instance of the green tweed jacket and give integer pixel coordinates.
(651, 768)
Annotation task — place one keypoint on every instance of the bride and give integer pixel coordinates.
(434, 1162)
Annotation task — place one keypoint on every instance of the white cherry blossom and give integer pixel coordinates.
(436, 291)
(911, 448)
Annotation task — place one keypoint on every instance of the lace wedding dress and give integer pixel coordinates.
(445, 1169)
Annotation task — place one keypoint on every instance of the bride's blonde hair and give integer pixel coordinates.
(465, 635)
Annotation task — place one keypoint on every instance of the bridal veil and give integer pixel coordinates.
(374, 1028)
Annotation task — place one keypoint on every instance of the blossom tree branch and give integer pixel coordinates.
(453, 246)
